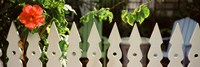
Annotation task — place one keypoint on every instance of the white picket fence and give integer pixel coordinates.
(114, 53)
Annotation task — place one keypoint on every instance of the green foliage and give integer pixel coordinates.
(54, 11)
(138, 15)
(100, 15)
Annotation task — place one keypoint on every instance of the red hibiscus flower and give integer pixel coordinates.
(31, 16)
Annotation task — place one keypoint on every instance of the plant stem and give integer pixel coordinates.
(45, 26)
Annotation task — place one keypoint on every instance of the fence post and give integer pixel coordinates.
(194, 53)
(134, 53)
(155, 53)
(53, 51)
(33, 51)
(175, 54)
(13, 51)
(114, 52)
(74, 52)
(94, 52)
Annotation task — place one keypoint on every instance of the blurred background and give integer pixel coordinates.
(163, 12)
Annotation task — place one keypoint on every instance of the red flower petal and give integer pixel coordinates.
(38, 10)
(24, 17)
(39, 20)
(27, 8)
(30, 26)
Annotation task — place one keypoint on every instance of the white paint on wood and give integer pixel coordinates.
(194, 52)
(13, 51)
(74, 51)
(1, 63)
(134, 53)
(114, 52)
(155, 53)
(175, 54)
(53, 51)
(94, 52)
(33, 51)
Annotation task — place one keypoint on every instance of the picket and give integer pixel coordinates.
(53, 51)
(94, 52)
(1, 63)
(13, 51)
(33, 51)
(74, 52)
(155, 52)
(114, 53)
(134, 52)
(194, 53)
(175, 54)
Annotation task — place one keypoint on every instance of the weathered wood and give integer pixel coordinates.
(194, 52)
(155, 53)
(13, 51)
(74, 52)
(175, 54)
(33, 51)
(134, 53)
(114, 52)
(53, 51)
(94, 52)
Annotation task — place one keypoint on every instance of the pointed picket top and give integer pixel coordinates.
(94, 52)
(194, 52)
(13, 34)
(114, 36)
(74, 34)
(33, 51)
(114, 52)
(176, 35)
(94, 33)
(134, 53)
(175, 53)
(155, 52)
(13, 51)
(135, 36)
(53, 51)
(74, 52)
(54, 33)
(156, 37)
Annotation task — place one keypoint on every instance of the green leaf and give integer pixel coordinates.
(145, 10)
(60, 7)
(110, 17)
(131, 18)
(98, 15)
(123, 16)
(13, 1)
(140, 18)
(63, 45)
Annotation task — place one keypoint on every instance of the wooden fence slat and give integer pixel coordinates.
(74, 52)
(114, 52)
(194, 52)
(33, 51)
(1, 63)
(155, 53)
(13, 51)
(94, 52)
(175, 54)
(134, 53)
(53, 51)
